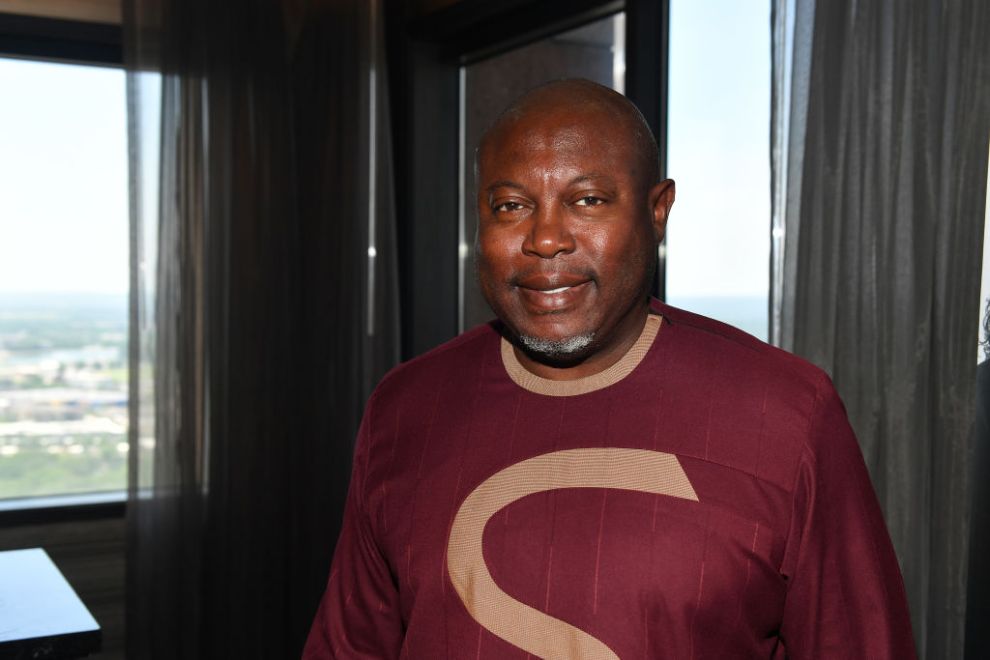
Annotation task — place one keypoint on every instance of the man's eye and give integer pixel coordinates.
(507, 207)
(589, 200)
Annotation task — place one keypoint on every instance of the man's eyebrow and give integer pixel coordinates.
(503, 183)
(584, 178)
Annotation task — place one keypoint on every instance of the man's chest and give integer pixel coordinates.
(508, 545)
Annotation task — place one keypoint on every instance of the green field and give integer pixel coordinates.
(59, 353)
(35, 469)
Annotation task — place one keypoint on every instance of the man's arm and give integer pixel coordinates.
(359, 613)
(845, 594)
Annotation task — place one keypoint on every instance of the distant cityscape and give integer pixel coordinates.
(63, 394)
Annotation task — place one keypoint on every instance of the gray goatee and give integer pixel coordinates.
(556, 348)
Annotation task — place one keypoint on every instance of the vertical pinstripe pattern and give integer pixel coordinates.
(601, 515)
(656, 441)
(701, 582)
(419, 482)
(658, 408)
(758, 454)
(708, 420)
(391, 468)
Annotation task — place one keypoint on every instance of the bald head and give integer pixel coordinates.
(583, 101)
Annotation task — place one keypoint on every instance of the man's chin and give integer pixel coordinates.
(557, 352)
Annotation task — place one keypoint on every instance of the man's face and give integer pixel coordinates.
(567, 231)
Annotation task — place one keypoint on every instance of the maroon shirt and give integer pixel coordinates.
(710, 503)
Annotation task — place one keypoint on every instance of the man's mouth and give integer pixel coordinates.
(552, 293)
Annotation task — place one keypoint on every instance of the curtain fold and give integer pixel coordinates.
(264, 308)
(880, 134)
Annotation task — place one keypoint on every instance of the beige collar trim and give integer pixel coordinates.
(538, 385)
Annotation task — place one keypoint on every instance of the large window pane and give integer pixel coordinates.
(63, 279)
(718, 238)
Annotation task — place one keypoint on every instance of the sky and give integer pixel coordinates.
(718, 236)
(63, 179)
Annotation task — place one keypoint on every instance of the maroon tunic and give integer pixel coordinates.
(710, 503)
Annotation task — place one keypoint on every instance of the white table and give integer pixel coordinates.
(40, 615)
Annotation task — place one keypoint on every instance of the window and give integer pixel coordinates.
(718, 237)
(63, 279)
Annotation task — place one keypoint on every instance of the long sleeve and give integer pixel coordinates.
(358, 616)
(845, 595)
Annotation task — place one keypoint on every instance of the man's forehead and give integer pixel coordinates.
(542, 134)
(546, 135)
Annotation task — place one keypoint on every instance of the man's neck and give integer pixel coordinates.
(595, 363)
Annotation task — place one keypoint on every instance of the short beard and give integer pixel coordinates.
(556, 349)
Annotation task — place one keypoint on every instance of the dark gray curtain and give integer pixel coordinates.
(880, 137)
(263, 305)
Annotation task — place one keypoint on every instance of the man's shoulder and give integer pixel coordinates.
(716, 335)
(740, 356)
(784, 408)
(430, 369)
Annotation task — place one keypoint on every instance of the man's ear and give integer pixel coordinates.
(661, 199)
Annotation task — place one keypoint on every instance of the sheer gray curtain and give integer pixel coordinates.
(263, 309)
(880, 135)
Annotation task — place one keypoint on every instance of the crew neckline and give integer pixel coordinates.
(539, 385)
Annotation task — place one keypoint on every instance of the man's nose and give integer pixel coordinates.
(549, 233)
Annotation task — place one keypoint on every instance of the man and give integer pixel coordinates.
(595, 474)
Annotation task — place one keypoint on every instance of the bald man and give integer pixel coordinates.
(596, 474)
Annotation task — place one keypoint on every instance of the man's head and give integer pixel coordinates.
(571, 210)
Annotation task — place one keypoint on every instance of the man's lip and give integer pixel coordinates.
(552, 282)
(553, 297)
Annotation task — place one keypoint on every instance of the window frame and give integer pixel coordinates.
(60, 40)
